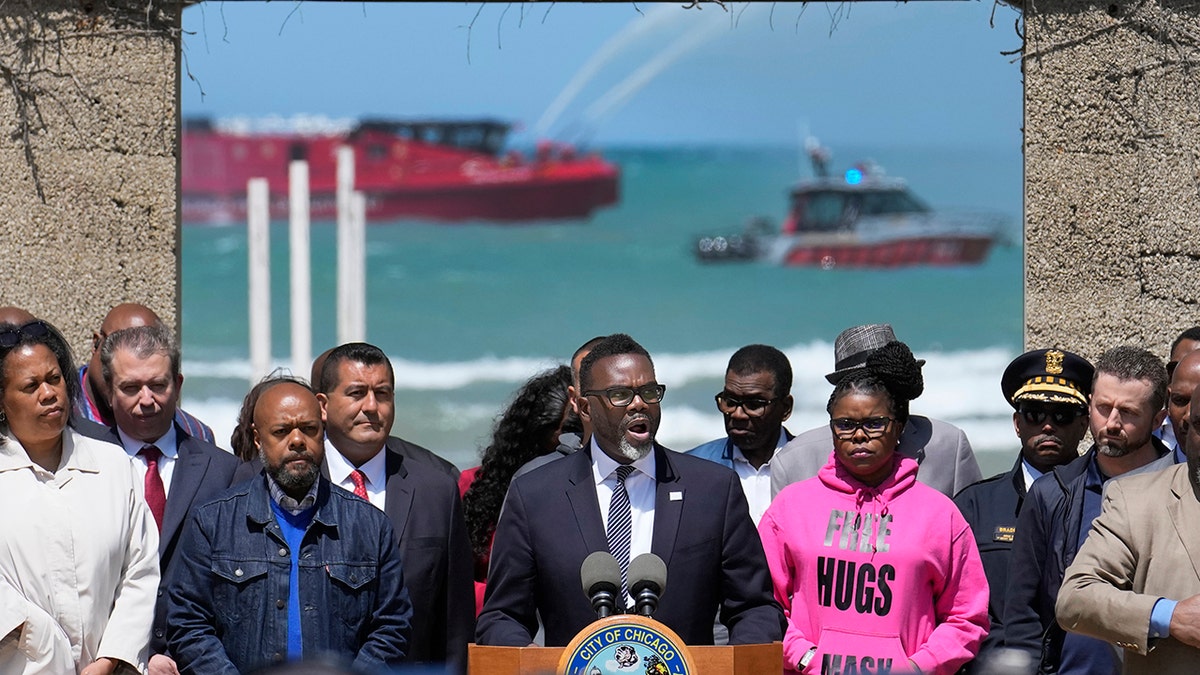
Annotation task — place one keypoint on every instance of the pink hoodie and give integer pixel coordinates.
(905, 583)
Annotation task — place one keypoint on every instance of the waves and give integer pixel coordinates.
(450, 406)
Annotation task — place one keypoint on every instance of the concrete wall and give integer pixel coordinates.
(1112, 177)
(88, 106)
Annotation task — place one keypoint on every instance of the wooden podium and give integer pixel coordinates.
(728, 660)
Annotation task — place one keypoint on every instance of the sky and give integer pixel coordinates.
(878, 73)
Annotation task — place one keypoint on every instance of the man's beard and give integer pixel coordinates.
(1120, 446)
(634, 452)
(1118, 450)
(291, 480)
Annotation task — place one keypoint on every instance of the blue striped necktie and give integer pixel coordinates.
(620, 526)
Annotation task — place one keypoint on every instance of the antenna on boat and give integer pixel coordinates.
(819, 155)
(802, 133)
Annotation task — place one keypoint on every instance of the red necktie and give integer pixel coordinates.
(156, 495)
(360, 483)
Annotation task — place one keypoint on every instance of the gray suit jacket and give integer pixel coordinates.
(1143, 546)
(946, 462)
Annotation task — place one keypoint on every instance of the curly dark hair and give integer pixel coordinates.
(892, 371)
(524, 431)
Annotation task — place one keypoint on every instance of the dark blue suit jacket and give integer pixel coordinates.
(202, 471)
(702, 531)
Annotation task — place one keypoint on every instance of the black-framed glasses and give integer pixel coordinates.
(1060, 417)
(623, 396)
(755, 407)
(9, 337)
(873, 427)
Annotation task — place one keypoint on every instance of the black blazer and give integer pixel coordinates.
(202, 471)
(702, 530)
(424, 456)
(423, 505)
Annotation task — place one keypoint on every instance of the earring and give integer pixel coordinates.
(3, 419)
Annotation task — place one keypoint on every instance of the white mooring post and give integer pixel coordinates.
(258, 245)
(356, 314)
(301, 261)
(351, 255)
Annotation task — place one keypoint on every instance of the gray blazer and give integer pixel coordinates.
(946, 462)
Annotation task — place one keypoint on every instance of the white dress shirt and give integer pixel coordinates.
(169, 447)
(1030, 474)
(374, 470)
(642, 489)
(756, 483)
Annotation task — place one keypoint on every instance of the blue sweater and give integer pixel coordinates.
(293, 528)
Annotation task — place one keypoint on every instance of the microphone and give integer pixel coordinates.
(601, 577)
(649, 574)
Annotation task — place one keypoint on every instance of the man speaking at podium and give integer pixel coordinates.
(626, 494)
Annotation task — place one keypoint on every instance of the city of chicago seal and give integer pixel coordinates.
(626, 645)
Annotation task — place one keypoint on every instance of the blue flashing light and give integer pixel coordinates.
(853, 176)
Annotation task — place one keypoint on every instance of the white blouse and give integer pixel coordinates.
(78, 559)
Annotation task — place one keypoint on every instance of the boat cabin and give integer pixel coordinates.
(831, 205)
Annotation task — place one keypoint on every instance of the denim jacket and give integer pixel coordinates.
(227, 603)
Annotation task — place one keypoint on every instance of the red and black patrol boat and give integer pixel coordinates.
(432, 169)
(860, 219)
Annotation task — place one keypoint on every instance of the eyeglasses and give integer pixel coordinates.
(1059, 417)
(623, 396)
(845, 428)
(10, 337)
(754, 407)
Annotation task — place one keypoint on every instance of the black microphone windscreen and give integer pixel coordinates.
(600, 569)
(647, 570)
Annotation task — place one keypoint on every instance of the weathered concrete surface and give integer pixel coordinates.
(1112, 177)
(88, 116)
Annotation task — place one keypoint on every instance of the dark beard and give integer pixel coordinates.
(290, 481)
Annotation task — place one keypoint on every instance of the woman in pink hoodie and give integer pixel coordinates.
(876, 572)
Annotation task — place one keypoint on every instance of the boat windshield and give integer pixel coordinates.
(828, 210)
(486, 136)
(881, 202)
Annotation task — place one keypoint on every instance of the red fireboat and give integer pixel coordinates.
(432, 169)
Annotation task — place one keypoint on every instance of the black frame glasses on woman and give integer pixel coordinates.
(620, 397)
(9, 337)
(754, 406)
(1059, 417)
(874, 427)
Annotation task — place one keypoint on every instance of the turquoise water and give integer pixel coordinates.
(468, 311)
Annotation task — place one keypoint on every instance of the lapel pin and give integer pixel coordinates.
(677, 496)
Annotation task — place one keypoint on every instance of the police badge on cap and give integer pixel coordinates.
(1048, 376)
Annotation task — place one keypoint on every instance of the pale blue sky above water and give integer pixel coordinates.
(867, 73)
